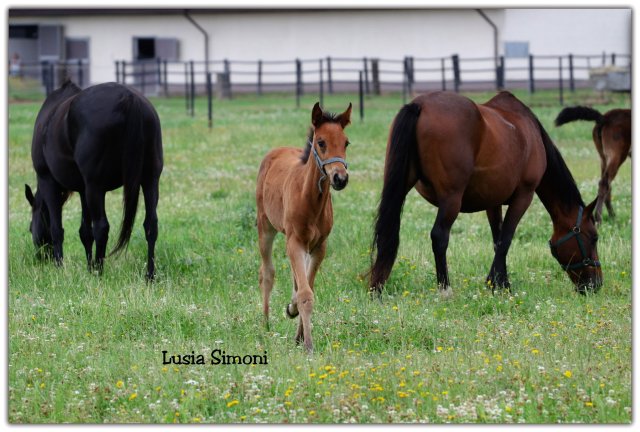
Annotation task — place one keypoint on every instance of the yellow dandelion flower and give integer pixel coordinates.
(568, 374)
(119, 384)
(133, 396)
(402, 394)
(233, 403)
(196, 420)
(588, 404)
(42, 385)
(535, 351)
(312, 412)
(439, 349)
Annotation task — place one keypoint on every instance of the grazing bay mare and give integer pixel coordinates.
(612, 137)
(467, 157)
(293, 197)
(92, 141)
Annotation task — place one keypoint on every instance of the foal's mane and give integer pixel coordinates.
(327, 117)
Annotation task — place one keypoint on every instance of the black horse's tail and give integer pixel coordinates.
(570, 114)
(133, 157)
(400, 152)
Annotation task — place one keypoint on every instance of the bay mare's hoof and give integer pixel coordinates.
(290, 314)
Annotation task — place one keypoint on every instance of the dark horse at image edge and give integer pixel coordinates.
(467, 157)
(93, 141)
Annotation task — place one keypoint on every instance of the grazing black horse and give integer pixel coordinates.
(92, 141)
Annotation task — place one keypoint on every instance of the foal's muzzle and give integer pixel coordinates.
(339, 181)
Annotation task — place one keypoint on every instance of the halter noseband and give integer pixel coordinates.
(574, 232)
(321, 163)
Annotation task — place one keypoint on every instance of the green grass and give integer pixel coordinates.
(88, 349)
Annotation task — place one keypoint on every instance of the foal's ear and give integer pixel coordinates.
(345, 118)
(316, 115)
(29, 195)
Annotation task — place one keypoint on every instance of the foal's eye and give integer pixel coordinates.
(347, 143)
(594, 240)
(321, 144)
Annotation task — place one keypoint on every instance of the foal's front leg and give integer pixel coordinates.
(304, 296)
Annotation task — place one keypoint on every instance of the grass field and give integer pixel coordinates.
(88, 349)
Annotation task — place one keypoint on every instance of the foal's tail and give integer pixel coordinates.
(400, 152)
(570, 114)
(133, 157)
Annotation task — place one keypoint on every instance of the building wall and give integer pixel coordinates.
(384, 34)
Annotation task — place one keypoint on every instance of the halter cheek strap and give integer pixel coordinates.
(320, 163)
(574, 232)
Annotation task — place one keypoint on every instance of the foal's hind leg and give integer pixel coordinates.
(95, 203)
(151, 195)
(86, 234)
(266, 235)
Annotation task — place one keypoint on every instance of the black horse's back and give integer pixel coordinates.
(93, 141)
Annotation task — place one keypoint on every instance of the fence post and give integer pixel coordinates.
(259, 77)
(192, 89)
(118, 71)
(604, 58)
(124, 72)
(209, 100)
(444, 75)
(572, 85)
(227, 78)
(375, 76)
(361, 95)
(560, 83)
(455, 60)
(143, 75)
(186, 86)
(532, 86)
(321, 86)
(298, 82)
(500, 74)
(158, 74)
(366, 76)
(329, 75)
(164, 79)
(613, 59)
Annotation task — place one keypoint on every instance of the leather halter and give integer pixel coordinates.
(320, 163)
(574, 232)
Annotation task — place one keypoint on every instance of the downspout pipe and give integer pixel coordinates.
(495, 34)
(206, 39)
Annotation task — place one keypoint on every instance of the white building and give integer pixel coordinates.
(102, 37)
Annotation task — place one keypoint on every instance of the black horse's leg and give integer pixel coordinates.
(151, 194)
(53, 196)
(498, 277)
(86, 234)
(448, 211)
(95, 203)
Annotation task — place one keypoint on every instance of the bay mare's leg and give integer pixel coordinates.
(495, 222)
(520, 202)
(448, 211)
(53, 196)
(266, 235)
(304, 296)
(95, 202)
(86, 233)
(151, 193)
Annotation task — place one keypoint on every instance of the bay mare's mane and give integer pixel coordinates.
(557, 174)
(327, 117)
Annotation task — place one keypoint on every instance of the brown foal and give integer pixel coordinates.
(293, 197)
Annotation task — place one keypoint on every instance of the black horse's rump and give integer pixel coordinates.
(92, 141)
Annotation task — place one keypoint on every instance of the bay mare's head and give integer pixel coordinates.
(574, 245)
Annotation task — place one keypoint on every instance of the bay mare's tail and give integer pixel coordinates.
(570, 114)
(401, 151)
(133, 158)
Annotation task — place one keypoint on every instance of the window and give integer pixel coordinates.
(516, 49)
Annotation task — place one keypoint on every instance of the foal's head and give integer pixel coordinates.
(330, 144)
(576, 250)
(39, 227)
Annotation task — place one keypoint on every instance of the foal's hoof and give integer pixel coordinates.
(290, 314)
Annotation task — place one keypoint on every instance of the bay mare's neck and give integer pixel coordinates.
(558, 206)
(310, 192)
